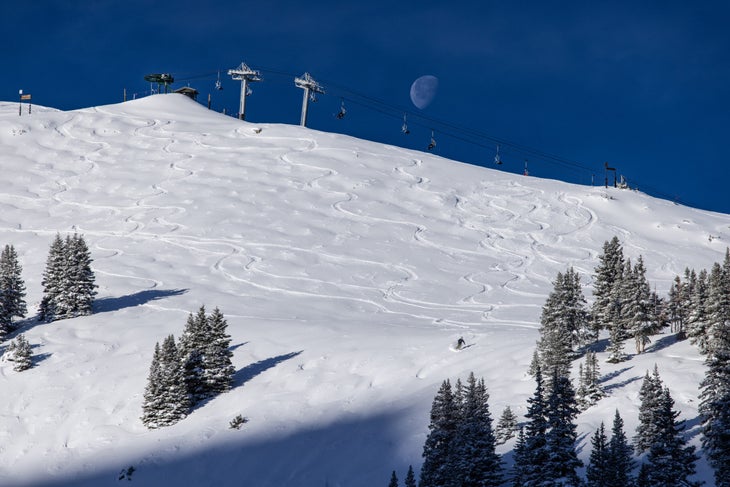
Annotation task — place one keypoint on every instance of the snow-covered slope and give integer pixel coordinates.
(345, 269)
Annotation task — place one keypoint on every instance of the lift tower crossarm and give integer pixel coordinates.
(245, 75)
(310, 87)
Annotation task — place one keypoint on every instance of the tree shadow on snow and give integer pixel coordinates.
(250, 371)
(106, 305)
(662, 343)
(623, 383)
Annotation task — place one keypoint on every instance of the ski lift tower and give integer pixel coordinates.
(244, 74)
(310, 87)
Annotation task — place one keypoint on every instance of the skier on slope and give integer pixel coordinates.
(460, 344)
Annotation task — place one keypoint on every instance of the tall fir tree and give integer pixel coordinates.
(597, 472)
(563, 324)
(218, 368)
(81, 282)
(68, 282)
(165, 398)
(476, 464)
(638, 318)
(697, 318)
(715, 397)
(562, 464)
(54, 278)
(393, 480)
(607, 274)
(647, 432)
(670, 462)
(12, 290)
(440, 442)
(620, 460)
(410, 480)
(193, 344)
(531, 450)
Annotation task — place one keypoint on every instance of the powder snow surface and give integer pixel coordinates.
(346, 269)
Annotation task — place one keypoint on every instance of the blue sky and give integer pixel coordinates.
(642, 85)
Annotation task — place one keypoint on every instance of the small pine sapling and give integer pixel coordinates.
(237, 422)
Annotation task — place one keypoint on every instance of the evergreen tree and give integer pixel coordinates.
(193, 345)
(597, 473)
(607, 274)
(475, 462)
(439, 446)
(12, 290)
(615, 347)
(670, 462)
(218, 368)
(697, 320)
(563, 323)
(589, 389)
(393, 480)
(54, 278)
(715, 403)
(561, 436)
(68, 281)
(620, 462)
(531, 451)
(637, 314)
(650, 394)
(506, 426)
(80, 287)
(165, 398)
(410, 478)
(718, 306)
(20, 352)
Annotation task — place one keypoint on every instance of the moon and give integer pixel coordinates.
(423, 90)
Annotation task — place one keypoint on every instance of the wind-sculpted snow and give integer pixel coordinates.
(345, 269)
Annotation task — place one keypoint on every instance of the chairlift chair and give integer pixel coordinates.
(404, 128)
(218, 84)
(432, 144)
(497, 159)
(341, 114)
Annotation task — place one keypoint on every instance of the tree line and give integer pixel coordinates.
(625, 307)
(69, 289)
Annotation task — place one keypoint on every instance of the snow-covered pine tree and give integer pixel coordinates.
(193, 345)
(615, 347)
(531, 451)
(562, 464)
(620, 459)
(670, 462)
(638, 318)
(589, 389)
(438, 460)
(718, 303)
(697, 321)
(650, 394)
(80, 288)
(475, 462)
(597, 470)
(521, 460)
(563, 323)
(218, 368)
(506, 426)
(410, 480)
(54, 278)
(607, 274)
(165, 398)
(12, 290)
(393, 480)
(715, 402)
(20, 352)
